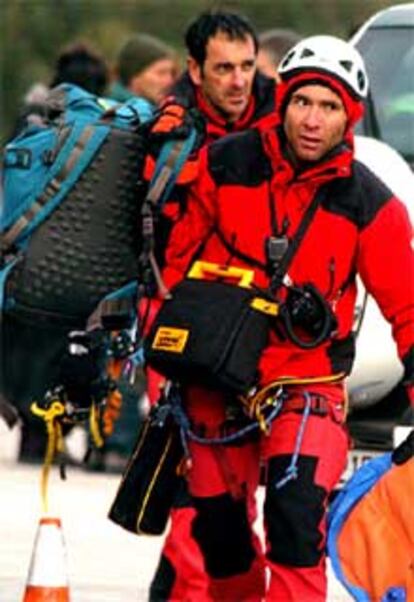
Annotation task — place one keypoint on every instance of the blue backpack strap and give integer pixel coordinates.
(134, 107)
(171, 159)
(173, 155)
(88, 139)
(361, 482)
(4, 272)
(122, 298)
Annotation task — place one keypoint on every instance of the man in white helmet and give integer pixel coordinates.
(293, 191)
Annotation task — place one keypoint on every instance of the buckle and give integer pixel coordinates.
(319, 405)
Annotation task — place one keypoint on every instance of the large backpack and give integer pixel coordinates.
(70, 227)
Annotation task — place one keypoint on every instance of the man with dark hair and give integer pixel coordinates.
(221, 79)
(223, 93)
(292, 208)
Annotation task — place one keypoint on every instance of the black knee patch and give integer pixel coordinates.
(163, 581)
(223, 533)
(293, 513)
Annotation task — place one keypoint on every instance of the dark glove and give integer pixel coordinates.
(175, 122)
(82, 369)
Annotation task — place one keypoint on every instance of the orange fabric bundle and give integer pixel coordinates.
(376, 543)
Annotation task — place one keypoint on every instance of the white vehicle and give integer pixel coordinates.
(386, 42)
(377, 368)
(377, 401)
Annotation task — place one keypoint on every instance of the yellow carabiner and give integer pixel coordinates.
(54, 441)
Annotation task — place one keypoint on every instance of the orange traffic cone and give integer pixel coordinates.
(47, 581)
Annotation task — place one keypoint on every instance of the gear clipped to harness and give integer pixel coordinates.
(307, 317)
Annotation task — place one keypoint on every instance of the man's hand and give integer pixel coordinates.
(173, 121)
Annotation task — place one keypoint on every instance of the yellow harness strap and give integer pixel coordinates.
(255, 404)
(55, 443)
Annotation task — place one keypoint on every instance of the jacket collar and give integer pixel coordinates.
(262, 102)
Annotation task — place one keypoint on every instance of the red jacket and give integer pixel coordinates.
(259, 113)
(358, 228)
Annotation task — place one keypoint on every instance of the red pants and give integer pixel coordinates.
(211, 552)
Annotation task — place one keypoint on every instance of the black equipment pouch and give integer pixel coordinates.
(212, 332)
(145, 496)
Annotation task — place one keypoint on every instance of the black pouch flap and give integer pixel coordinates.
(209, 332)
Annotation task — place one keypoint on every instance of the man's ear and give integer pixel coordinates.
(194, 71)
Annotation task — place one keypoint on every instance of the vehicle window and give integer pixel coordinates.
(389, 57)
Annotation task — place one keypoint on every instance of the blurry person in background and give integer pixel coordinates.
(83, 66)
(79, 64)
(145, 67)
(273, 45)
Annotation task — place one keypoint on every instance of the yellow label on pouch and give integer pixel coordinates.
(265, 306)
(170, 339)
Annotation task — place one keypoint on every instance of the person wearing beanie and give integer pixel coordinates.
(145, 67)
(293, 190)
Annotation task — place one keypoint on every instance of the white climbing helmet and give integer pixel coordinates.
(330, 55)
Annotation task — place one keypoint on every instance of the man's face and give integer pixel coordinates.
(315, 122)
(155, 81)
(226, 77)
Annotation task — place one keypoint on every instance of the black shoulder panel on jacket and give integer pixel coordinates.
(239, 159)
(359, 197)
(264, 91)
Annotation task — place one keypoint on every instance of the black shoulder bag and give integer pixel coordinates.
(212, 332)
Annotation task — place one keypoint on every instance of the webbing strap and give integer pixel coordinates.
(11, 234)
(120, 298)
(161, 178)
(3, 277)
(282, 268)
(169, 163)
(172, 157)
(293, 244)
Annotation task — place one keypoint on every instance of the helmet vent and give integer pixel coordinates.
(347, 65)
(287, 59)
(361, 79)
(306, 52)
